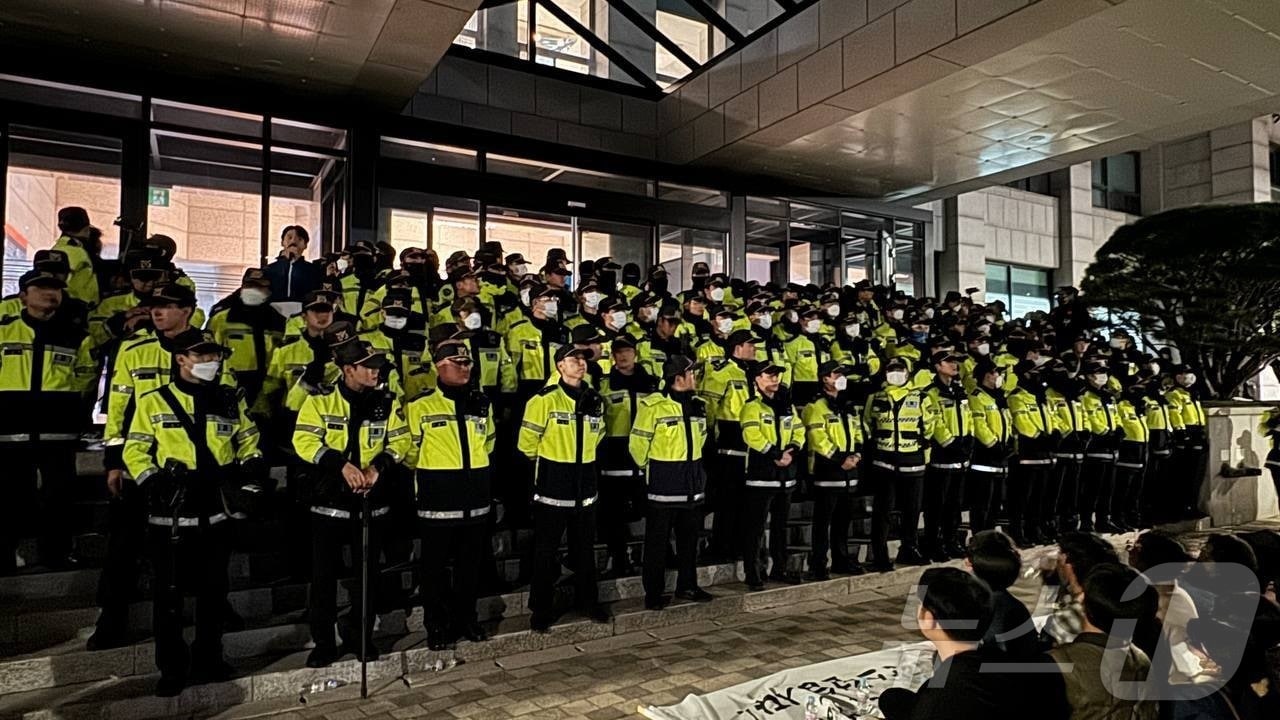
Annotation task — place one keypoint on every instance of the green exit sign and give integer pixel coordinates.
(158, 197)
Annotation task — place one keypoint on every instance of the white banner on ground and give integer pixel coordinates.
(782, 696)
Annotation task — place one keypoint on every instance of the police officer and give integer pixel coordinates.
(453, 434)
(1190, 446)
(562, 428)
(1032, 464)
(622, 483)
(667, 442)
(897, 423)
(833, 434)
(725, 387)
(1097, 474)
(773, 432)
(42, 385)
(806, 351)
(352, 433)
(664, 340)
(532, 343)
(252, 330)
(951, 444)
(82, 284)
(192, 450)
(401, 337)
(992, 446)
(1132, 454)
(305, 356)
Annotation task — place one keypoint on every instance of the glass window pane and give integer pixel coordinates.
(502, 29)
(814, 214)
(1029, 291)
(748, 15)
(997, 283)
(531, 234)
(679, 248)
(764, 264)
(454, 230)
(1122, 173)
(69, 97)
(624, 242)
(442, 155)
(692, 195)
(859, 260)
(906, 266)
(206, 118)
(314, 136)
(214, 208)
(49, 170)
(771, 207)
(549, 172)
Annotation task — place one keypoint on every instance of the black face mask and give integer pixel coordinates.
(362, 263)
(658, 285)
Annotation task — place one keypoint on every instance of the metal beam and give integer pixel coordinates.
(648, 28)
(594, 41)
(713, 17)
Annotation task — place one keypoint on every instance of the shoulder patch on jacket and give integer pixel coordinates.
(548, 389)
(142, 342)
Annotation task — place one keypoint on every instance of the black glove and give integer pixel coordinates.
(161, 490)
(314, 373)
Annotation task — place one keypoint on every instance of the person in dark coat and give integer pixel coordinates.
(292, 275)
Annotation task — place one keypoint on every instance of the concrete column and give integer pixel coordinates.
(1241, 163)
(736, 262)
(963, 261)
(1076, 243)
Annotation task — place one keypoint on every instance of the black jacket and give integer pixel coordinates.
(960, 690)
(291, 281)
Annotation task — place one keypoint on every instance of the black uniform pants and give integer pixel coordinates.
(761, 507)
(1097, 475)
(126, 545)
(1189, 464)
(451, 604)
(550, 524)
(725, 487)
(1024, 497)
(196, 563)
(659, 521)
(1068, 485)
(943, 499)
(832, 514)
(622, 499)
(893, 488)
(328, 536)
(1126, 500)
(38, 475)
(986, 493)
(1155, 487)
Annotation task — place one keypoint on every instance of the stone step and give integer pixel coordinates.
(68, 661)
(280, 678)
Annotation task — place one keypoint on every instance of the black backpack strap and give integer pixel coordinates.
(204, 457)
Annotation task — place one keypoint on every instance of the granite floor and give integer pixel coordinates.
(610, 678)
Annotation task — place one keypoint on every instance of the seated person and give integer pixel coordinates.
(1105, 673)
(970, 681)
(995, 560)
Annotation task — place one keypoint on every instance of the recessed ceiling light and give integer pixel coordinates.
(1035, 138)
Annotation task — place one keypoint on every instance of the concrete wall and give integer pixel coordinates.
(499, 99)
(1228, 165)
(1234, 440)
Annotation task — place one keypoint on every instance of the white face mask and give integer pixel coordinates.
(552, 309)
(853, 330)
(524, 297)
(618, 317)
(1117, 343)
(999, 382)
(207, 371)
(841, 383)
(396, 322)
(764, 321)
(1098, 379)
(833, 311)
(928, 312)
(472, 321)
(896, 314)
(592, 299)
(254, 297)
(1154, 368)
(984, 349)
(812, 326)
(1040, 360)
(1188, 380)
(792, 316)
(648, 313)
(342, 265)
(897, 377)
(724, 326)
(519, 270)
(717, 294)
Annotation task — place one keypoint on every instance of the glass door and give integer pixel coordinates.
(679, 248)
(858, 259)
(624, 242)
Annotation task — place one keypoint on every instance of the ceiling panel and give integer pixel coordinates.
(323, 47)
(1110, 80)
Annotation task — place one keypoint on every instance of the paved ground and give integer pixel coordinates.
(610, 678)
